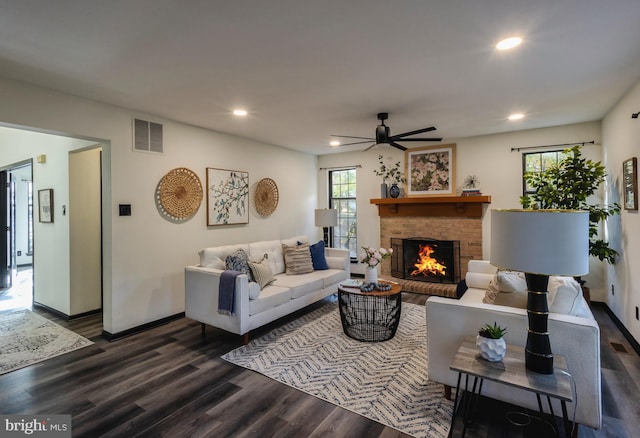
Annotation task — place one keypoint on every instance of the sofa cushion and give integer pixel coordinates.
(318, 259)
(273, 249)
(216, 256)
(297, 259)
(478, 280)
(294, 241)
(301, 284)
(239, 261)
(270, 297)
(332, 276)
(254, 290)
(262, 273)
(564, 293)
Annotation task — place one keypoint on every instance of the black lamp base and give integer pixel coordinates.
(538, 356)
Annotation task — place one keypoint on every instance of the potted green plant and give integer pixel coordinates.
(392, 173)
(490, 342)
(567, 185)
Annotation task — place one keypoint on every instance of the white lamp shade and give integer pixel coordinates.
(326, 217)
(547, 242)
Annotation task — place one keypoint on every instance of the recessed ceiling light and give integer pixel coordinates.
(509, 43)
(239, 112)
(516, 116)
(334, 143)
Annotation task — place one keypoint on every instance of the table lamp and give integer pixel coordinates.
(325, 218)
(540, 243)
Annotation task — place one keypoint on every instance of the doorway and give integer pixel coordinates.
(16, 212)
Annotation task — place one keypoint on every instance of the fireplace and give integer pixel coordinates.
(426, 259)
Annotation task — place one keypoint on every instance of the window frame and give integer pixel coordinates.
(351, 216)
(559, 155)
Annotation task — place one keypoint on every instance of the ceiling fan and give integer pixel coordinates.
(383, 135)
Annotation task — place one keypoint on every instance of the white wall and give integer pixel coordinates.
(145, 255)
(621, 139)
(488, 157)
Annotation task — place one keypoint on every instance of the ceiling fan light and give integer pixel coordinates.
(509, 43)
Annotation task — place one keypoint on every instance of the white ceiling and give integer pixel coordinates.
(307, 69)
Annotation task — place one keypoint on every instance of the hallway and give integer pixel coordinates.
(20, 295)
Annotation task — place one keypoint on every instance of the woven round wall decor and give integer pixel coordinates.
(265, 197)
(179, 194)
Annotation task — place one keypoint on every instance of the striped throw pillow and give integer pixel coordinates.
(297, 259)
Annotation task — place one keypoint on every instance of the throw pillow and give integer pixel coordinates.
(239, 261)
(491, 293)
(297, 259)
(318, 260)
(461, 288)
(511, 281)
(262, 273)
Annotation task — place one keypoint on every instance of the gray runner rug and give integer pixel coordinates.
(27, 338)
(386, 381)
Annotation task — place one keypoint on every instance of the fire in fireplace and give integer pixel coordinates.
(425, 259)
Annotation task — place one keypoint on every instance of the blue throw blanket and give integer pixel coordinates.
(227, 292)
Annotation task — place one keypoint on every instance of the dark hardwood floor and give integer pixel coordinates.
(170, 382)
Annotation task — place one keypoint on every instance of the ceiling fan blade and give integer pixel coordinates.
(350, 136)
(418, 131)
(369, 147)
(357, 142)
(396, 145)
(420, 139)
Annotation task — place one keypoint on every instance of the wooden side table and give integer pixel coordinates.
(511, 371)
(370, 316)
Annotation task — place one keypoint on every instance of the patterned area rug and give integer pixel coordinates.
(386, 382)
(27, 338)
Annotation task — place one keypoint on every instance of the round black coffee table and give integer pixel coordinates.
(370, 316)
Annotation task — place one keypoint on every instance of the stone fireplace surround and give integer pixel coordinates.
(441, 218)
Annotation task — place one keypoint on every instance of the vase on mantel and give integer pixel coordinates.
(394, 190)
(383, 190)
(371, 275)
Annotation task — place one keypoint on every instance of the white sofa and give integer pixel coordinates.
(573, 333)
(286, 294)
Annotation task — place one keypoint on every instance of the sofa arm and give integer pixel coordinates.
(201, 299)
(338, 258)
(578, 339)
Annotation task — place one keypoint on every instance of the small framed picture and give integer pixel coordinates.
(45, 205)
(630, 183)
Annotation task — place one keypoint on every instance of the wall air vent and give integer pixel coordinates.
(147, 136)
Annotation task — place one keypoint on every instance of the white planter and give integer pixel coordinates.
(492, 350)
(371, 275)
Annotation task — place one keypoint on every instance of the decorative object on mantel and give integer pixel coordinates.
(471, 186)
(265, 197)
(227, 197)
(392, 173)
(372, 258)
(179, 194)
(490, 342)
(540, 243)
(630, 183)
(431, 170)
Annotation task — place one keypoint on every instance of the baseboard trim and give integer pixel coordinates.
(634, 344)
(63, 315)
(141, 328)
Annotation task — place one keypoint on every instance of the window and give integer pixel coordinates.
(342, 197)
(538, 162)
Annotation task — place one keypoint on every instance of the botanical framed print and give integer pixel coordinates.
(227, 197)
(45, 205)
(431, 170)
(630, 183)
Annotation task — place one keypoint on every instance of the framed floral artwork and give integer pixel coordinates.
(227, 197)
(431, 171)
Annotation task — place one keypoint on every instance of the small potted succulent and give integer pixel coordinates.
(490, 342)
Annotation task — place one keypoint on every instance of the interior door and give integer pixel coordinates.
(5, 232)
